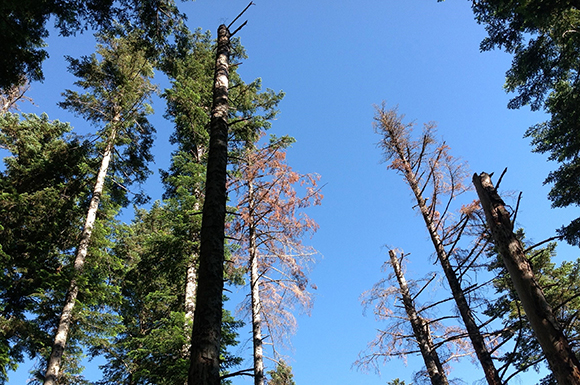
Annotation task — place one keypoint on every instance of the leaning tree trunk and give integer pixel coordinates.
(420, 328)
(561, 358)
(255, 294)
(477, 340)
(205, 340)
(62, 331)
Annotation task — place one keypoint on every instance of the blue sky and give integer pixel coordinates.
(335, 60)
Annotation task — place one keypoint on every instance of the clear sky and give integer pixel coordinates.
(335, 60)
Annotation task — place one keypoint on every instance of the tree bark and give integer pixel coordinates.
(190, 292)
(190, 289)
(562, 360)
(420, 328)
(477, 340)
(255, 294)
(64, 323)
(206, 334)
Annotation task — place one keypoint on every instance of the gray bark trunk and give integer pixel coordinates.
(255, 297)
(420, 328)
(561, 358)
(190, 293)
(491, 373)
(205, 340)
(190, 289)
(62, 331)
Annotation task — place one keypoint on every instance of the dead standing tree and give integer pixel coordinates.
(438, 344)
(561, 358)
(420, 326)
(204, 366)
(270, 228)
(205, 340)
(425, 163)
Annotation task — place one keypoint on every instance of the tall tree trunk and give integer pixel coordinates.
(62, 331)
(255, 294)
(561, 358)
(190, 292)
(190, 289)
(420, 328)
(205, 340)
(477, 340)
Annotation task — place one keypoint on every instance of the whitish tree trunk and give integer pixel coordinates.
(205, 340)
(561, 358)
(477, 340)
(420, 328)
(190, 289)
(190, 293)
(62, 331)
(255, 295)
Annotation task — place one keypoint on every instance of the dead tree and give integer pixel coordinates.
(561, 359)
(205, 339)
(437, 342)
(270, 226)
(420, 326)
(426, 163)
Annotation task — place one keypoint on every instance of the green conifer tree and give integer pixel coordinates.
(118, 88)
(42, 202)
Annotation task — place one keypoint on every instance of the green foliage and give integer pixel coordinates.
(43, 202)
(560, 285)
(24, 28)
(543, 36)
(147, 350)
(151, 347)
(191, 69)
(396, 381)
(43, 191)
(117, 80)
(130, 306)
(282, 375)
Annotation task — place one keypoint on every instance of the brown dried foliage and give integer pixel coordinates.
(273, 207)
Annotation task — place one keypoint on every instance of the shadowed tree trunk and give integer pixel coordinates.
(205, 340)
(420, 327)
(561, 358)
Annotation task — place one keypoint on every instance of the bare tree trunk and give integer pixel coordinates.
(190, 286)
(62, 331)
(420, 328)
(205, 340)
(561, 358)
(190, 292)
(477, 340)
(255, 295)
(190, 289)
